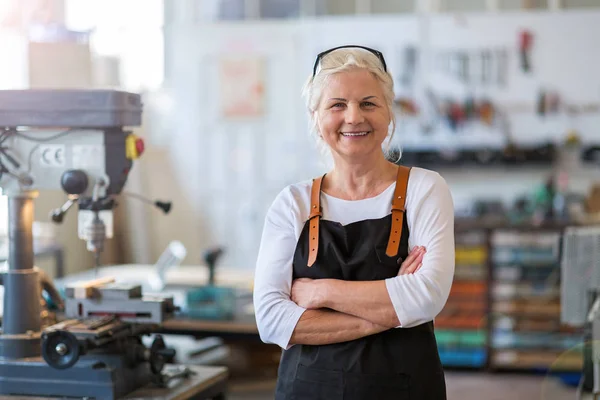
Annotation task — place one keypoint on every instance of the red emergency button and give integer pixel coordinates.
(139, 145)
(134, 146)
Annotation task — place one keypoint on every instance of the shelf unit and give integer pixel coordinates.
(525, 327)
(461, 327)
(503, 312)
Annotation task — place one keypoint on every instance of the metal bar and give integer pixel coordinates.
(21, 321)
(20, 234)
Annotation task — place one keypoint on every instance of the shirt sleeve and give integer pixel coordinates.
(418, 298)
(276, 314)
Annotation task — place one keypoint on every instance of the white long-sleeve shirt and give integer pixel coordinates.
(417, 298)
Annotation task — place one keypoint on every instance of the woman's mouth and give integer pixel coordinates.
(355, 134)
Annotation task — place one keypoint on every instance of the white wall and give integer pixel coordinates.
(230, 171)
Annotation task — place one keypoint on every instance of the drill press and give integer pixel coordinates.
(72, 140)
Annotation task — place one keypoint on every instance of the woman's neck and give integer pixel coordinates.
(357, 181)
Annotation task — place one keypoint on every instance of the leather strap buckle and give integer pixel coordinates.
(398, 209)
(314, 218)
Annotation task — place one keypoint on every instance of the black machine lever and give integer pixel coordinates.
(57, 215)
(165, 206)
(210, 258)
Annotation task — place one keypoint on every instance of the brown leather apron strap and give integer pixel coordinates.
(314, 218)
(398, 208)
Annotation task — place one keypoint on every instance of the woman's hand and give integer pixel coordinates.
(306, 293)
(413, 262)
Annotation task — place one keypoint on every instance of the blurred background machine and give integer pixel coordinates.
(580, 297)
(74, 140)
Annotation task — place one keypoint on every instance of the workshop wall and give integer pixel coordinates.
(229, 169)
(238, 130)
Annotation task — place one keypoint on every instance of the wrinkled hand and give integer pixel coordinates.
(413, 262)
(305, 293)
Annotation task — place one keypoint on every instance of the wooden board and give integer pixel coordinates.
(193, 325)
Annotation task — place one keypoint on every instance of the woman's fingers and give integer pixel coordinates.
(410, 268)
(414, 253)
(419, 266)
(413, 262)
(412, 256)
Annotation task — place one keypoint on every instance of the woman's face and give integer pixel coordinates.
(353, 117)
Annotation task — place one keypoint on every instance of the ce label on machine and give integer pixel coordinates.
(83, 156)
(53, 155)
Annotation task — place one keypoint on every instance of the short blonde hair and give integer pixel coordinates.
(342, 60)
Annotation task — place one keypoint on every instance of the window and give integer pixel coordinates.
(119, 29)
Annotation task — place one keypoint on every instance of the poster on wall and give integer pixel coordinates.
(241, 86)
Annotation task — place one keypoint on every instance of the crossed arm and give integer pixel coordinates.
(323, 311)
(332, 317)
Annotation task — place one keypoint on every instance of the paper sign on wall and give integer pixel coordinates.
(241, 86)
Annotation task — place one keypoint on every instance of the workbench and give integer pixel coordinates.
(179, 280)
(239, 333)
(206, 383)
(236, 330)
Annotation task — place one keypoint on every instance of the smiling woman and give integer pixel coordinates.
(355, 265)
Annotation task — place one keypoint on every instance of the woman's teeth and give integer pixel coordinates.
(354, 133)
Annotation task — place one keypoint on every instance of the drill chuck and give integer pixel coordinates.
(95, 234)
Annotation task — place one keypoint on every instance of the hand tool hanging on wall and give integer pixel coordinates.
(486, 112)
(409, 65)
(486, 66)
(553, 102)
(541, 103)
(525, 45)
(464, 66)
(455, 115)
(469, 108)
(501, 67)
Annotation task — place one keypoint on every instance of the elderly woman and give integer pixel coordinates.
(354, 265)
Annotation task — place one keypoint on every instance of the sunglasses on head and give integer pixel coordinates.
(324, 53)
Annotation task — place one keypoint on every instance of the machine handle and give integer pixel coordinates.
(165, 206)
(57, 215)
(210, 258)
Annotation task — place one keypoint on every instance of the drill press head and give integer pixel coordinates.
(88, 156)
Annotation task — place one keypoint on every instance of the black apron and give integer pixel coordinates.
(399, 364)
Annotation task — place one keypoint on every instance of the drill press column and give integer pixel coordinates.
(21, 322)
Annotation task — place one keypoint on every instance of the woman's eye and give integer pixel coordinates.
(338, 105)
(368, 104)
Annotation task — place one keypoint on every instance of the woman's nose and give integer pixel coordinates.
(354, 114)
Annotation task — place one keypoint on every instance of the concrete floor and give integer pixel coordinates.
(461, 386)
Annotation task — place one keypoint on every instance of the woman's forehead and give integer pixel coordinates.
(352, 83)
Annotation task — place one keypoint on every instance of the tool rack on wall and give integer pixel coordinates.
(503, 312)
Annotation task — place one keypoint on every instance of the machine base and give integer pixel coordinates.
(207, 382)
(103, 378)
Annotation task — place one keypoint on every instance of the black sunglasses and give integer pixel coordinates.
(324, 53)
